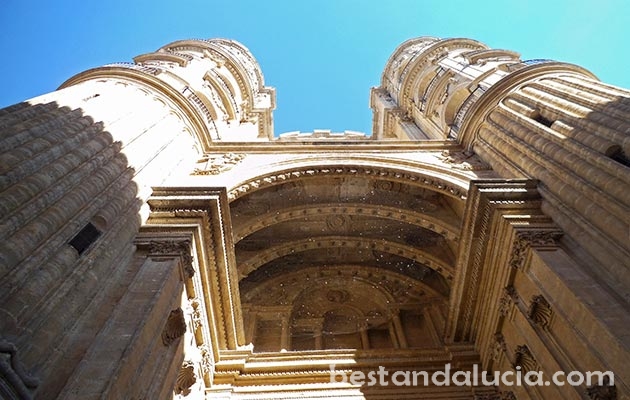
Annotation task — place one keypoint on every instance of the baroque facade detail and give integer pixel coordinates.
(482, 221)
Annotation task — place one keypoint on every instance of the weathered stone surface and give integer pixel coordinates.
(226, 262)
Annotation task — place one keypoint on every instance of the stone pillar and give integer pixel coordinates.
(319, 340)
(251, 327)
(392, 334)
(285, 337)
(365, 339)
(398, 329)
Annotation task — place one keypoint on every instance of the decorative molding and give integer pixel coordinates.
(506, 301)
(195, 314)
(605, 391)
(463, 160)
(475, 270)
(185, 378)
(13, 372)
(433, 183)
(174, 248)
(175, 327)
(217, 164)
(418, 214)
(540, 311)
(337, 296)
(498, 347)
(207, 361)
(526, 239)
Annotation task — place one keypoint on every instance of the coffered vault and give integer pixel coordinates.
(158, 241)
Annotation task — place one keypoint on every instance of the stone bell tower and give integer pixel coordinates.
(557, 125)
(83, 298)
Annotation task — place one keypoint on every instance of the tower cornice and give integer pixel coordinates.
(480, 109)
(194, 116)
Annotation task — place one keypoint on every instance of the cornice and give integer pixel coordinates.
(444, 182)
(334, 146)
(192, 114)
(488, 100)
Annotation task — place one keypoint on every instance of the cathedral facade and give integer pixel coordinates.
(158, 241)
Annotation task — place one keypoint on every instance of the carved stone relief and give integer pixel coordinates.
(527, 239)
(217, 164)
(463, 160)
(606, 391)
(175, 327)
(540, 311)
(12, 370)
(185, 378)
(507, 300)
(432, 182)
(174, 248)
(523, 358)
(498, 347)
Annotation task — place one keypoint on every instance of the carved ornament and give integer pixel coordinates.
(606, 391)
(174, 248)
(463, 160)
(507, 299)
(540, 311)
(379, 173)
(498, 346)
(523, 358)
(215, 165)
(525, 240)
(185, 378)
(175, 327)
(14, 371)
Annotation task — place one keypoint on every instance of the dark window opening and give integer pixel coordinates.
(85, 238)
(542, 120)
(621, 158)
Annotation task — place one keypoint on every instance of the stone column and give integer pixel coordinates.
(365, 339)
(398, 329)
(285, 337)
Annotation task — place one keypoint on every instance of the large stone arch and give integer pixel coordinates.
(384, 216)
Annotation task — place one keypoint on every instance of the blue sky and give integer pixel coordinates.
(322, 56)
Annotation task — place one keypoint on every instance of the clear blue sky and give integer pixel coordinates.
(322, 56)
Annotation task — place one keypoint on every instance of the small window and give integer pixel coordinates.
(621, 157)
(542, 120)
(85, 238)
